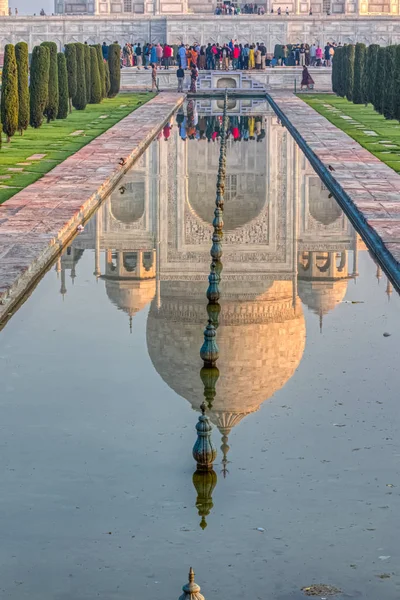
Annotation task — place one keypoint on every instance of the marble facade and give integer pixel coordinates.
(383, 30)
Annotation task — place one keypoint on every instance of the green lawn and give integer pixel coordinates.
(57, 143)
(385, 145)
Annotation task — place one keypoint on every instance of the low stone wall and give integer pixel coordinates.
(278, 78)
(39, 220)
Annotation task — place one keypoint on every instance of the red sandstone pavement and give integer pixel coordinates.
(36, 222)
(372, 186)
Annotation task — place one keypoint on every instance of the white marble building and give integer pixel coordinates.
(297, 7)
(272, 30)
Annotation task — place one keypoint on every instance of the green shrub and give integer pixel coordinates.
(107, 78)
(22, 56)
(70, 56)
(51, 109)
(372, 65)
(9, 93)
(337, 66)
(114, 63)
(86, 50)
(379, 79)
(102, 74)
(349, 52)
(388, 100)
(396, 84)
(39, 84)
(95, 90)
(63, 105)
(359, 93)
(79, 100)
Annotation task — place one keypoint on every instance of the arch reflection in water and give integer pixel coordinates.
(286, 251)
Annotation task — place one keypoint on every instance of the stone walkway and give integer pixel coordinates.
(36, 222)
(367, 189)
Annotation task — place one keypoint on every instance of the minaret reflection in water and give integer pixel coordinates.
(205, 478)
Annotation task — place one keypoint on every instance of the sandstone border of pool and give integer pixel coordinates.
(367, 190)
(37, 222)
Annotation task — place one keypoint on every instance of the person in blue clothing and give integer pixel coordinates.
(153, 55)
(104, 50)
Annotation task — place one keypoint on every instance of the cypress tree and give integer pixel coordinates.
(379, 79)
(70, 56)
(22, 57)
(372, 65)
(9, 93)
(51, 109)
(349, 81)
(101, 70)
(359, 77)
(79, 100)
(388, 101)
(95, 89)
(39, 84)
(107, 78)
(336, 70)
(86, 50)
(63, 105)
(114, 63)
(342, 73)
(396, 84)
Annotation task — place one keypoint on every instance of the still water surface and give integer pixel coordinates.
(100, 382)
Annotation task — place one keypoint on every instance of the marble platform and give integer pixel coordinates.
(36, 222)
(366, 188)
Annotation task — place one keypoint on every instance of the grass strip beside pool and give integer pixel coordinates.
(371, 130)
(26, 158)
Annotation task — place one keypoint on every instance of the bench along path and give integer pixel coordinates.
(36, 222)
(367, 189)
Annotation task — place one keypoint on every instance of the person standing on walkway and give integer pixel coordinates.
(313, 55)
(252, 62)
(138, 53)
(104, 50)
(182, 60)
(257, 55)
(153, 54)
(318, 55)
(193, 78)
(225, 58)
(154, 86)
(235, 57)
(180, 73)
(167, 54)
(202, 58)
(306, 80)
(263, 50)
(302, 55)
(146, 55)
(245, 57)
(159, 53)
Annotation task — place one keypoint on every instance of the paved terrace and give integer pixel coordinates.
(36, 222)
(367, 189)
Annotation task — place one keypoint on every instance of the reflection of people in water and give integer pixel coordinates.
(240, 128)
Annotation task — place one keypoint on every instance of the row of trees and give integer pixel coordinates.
(369, 75)
(54, 83)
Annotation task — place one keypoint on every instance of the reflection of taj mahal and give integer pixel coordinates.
(286, 245)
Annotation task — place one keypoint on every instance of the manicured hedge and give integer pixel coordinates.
(22, 56)
(39, 84)
(63, 105)
(51, 109)
(9, 93)
(360, 54)
(114, 63)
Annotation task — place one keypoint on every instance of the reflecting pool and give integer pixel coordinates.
(101, 388)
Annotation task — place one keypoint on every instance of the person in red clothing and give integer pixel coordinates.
(235, 56)
(167, 131)
(167, 55)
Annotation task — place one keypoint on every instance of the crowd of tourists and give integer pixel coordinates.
(194, 127)
(229, 56)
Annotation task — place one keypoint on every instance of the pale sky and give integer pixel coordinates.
(29, 7)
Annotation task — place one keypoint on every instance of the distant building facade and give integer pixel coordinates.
(181, 7)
